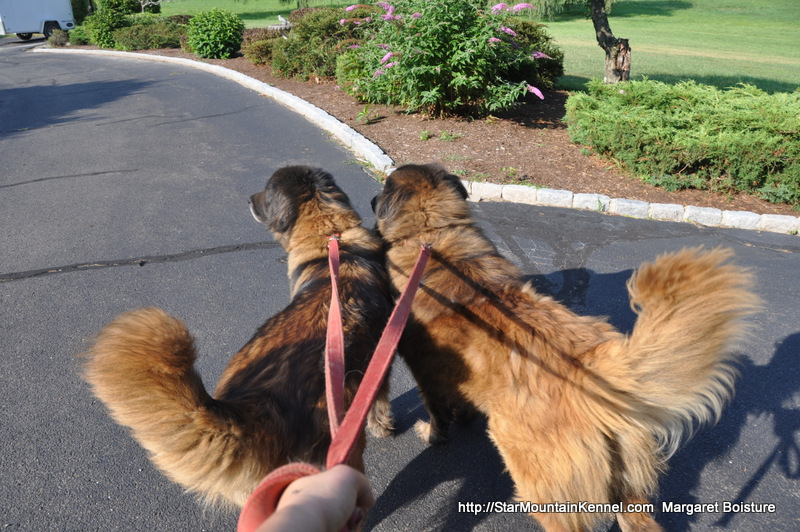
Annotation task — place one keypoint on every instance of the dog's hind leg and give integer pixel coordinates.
(379, 420)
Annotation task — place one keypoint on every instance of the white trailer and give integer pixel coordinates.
(26, 17)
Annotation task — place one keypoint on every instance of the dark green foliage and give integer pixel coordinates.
(80, 9)
(448, 57)
(215, 34)
(149, 35)
(259, 52)
(695, 136)
(183, 20)
(252, 35)
(100, 27)
(78, 36)
(315, 42)
(295, 16)
(548, 66)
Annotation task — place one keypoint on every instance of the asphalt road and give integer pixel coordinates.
(124, 183)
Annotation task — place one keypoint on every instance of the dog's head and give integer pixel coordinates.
(303, 197)
(417, 199)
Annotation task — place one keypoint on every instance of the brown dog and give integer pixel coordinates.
(578, 411)
(269, 407)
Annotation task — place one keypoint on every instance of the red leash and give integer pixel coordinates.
(344, 432)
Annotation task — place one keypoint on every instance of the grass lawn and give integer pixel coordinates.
(254, 13)
(717, 42)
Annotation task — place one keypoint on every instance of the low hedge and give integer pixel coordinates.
(695, 136)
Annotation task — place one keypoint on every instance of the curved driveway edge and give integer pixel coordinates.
(365, 149)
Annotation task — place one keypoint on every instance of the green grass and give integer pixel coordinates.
(254, 13)
(716, 42)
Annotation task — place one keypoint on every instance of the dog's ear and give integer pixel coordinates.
(281, 211)
(277, 205)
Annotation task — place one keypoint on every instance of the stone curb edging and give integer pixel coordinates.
(365, 149)
(633, 208)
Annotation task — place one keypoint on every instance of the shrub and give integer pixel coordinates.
(314, 43)
(100, 27)
(78, 36)
(441, 58)
(259, 52)
(695, 136)
(58, 39)
(215, 34)
(149, 36)
(252, 35)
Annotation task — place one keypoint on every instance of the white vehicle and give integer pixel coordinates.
(26, 17)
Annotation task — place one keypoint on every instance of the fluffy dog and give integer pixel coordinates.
(269, 407)
(578, 411)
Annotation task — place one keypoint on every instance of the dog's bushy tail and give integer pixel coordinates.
(141, 366)
(679, 363)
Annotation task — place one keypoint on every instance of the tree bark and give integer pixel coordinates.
(618, 51)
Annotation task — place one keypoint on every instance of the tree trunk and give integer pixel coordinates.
(618, 51)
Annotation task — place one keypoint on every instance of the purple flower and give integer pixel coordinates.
(387, 57)
(540, 55)
(351, 8)
(416, 15)
(377, 73)
(508, 30)
(354, 46)
(494, 40)
(389, 16)
(384, 46)
(535, 91)
(498, 8)
(389, 8)
(519, 7)
(342, 22)
(390, 65)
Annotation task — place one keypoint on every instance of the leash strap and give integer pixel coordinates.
(345, 439)
(264, 500)
(334, 344)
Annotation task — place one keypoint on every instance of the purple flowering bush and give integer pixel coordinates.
(446, 57)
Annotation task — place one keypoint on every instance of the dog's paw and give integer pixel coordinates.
(426, 433)
(379, 421)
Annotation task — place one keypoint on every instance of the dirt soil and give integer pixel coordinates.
(528, 144)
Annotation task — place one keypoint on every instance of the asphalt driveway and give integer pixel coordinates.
(124, 183)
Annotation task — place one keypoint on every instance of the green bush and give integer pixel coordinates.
(100, 27)
(78, 36)
(215, 34)
(259, 52)
(150, 35)
(695, 136)
(314, 43)
(446, 57)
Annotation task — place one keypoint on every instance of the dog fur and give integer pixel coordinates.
(578, 411)
(269, 407)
